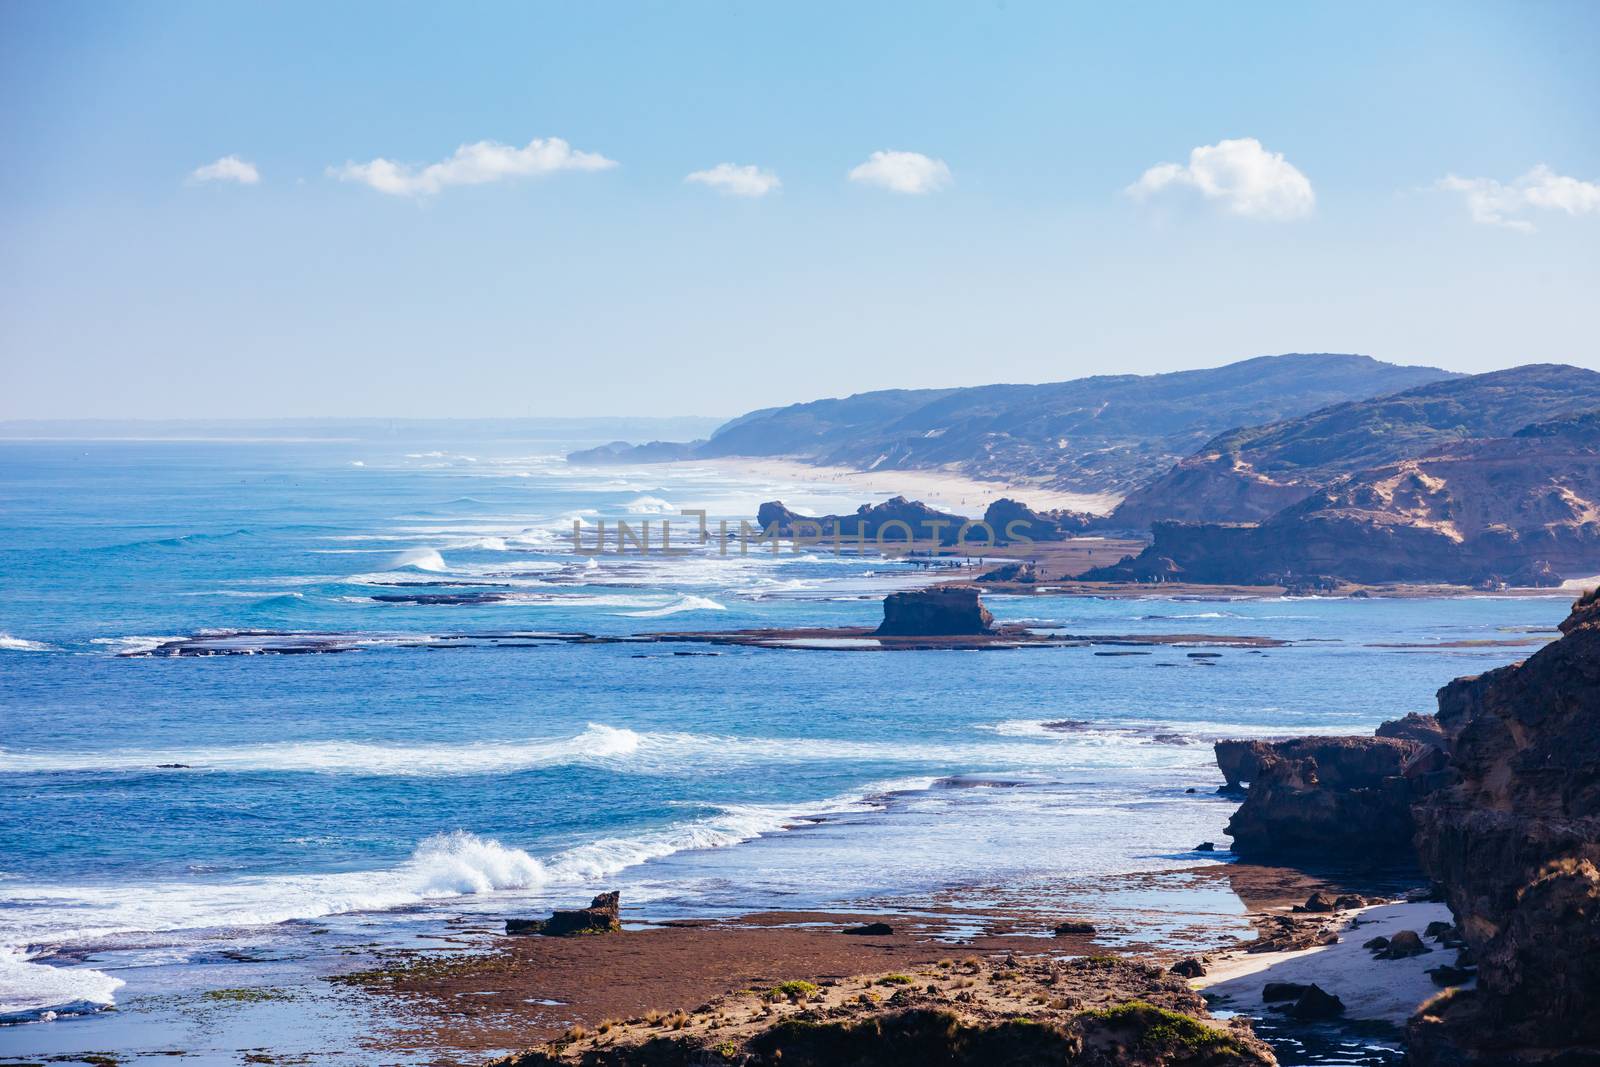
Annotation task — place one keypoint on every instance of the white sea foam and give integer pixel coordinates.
(626, 751)
(443, 866)
(1100, 731)
(249, 594)
(597, 743)
(683, 603)
(19, 644)
(133, 643)
(650, 505)
(483, 544)
(38, 992)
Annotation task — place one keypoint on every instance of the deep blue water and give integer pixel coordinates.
(391, 780)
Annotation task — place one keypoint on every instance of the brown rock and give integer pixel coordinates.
(941, 611)
(1274, 992)
(1292, 811)
(1316, 1003)
(1514, 838)
(1415, 727)
(600, 917)
(1403, 944)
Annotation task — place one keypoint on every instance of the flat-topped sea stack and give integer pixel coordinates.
(942, 611)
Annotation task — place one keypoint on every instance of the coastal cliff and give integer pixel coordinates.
(1498, 798)
(1514, 839)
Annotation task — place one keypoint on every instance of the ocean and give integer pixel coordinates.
(174, 823)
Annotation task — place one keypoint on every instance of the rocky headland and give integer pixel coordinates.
(1512, 834)
(1108, 433)
(1498, 800)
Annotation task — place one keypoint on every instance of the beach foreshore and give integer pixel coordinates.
(527, 991)
(470, 993)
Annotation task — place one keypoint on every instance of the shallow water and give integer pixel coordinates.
(389, 787)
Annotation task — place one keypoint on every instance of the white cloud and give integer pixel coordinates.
(227, 169)
(903, 172)
(472, 164)
(1495, 204)
(732, 180)
(1241, 176)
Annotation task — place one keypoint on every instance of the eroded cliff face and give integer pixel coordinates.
(1520, 511)
(1209, 486)
(1343, 799)
(1513, 836)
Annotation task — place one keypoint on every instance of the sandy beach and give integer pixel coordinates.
(1387, 991)
(939, 488)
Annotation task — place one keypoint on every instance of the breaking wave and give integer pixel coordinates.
(422, 559)
(597, 743)
(31, 992)
(443, 866)
(622, 751)
(18, 644)
(683, 603)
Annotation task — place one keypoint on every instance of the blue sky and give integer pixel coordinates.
(1366, 183)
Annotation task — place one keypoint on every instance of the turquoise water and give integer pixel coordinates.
(398, 783)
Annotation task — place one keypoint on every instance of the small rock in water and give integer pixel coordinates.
(1377, 944)
(1191, 789)
(1066, 724)
(1438, 930)
(1206, 846)
(1189, 968)
(1074, 926)
(869, 930)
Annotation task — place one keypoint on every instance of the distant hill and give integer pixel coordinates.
(1108, 433)
(1250, 474)
(1522, 510)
